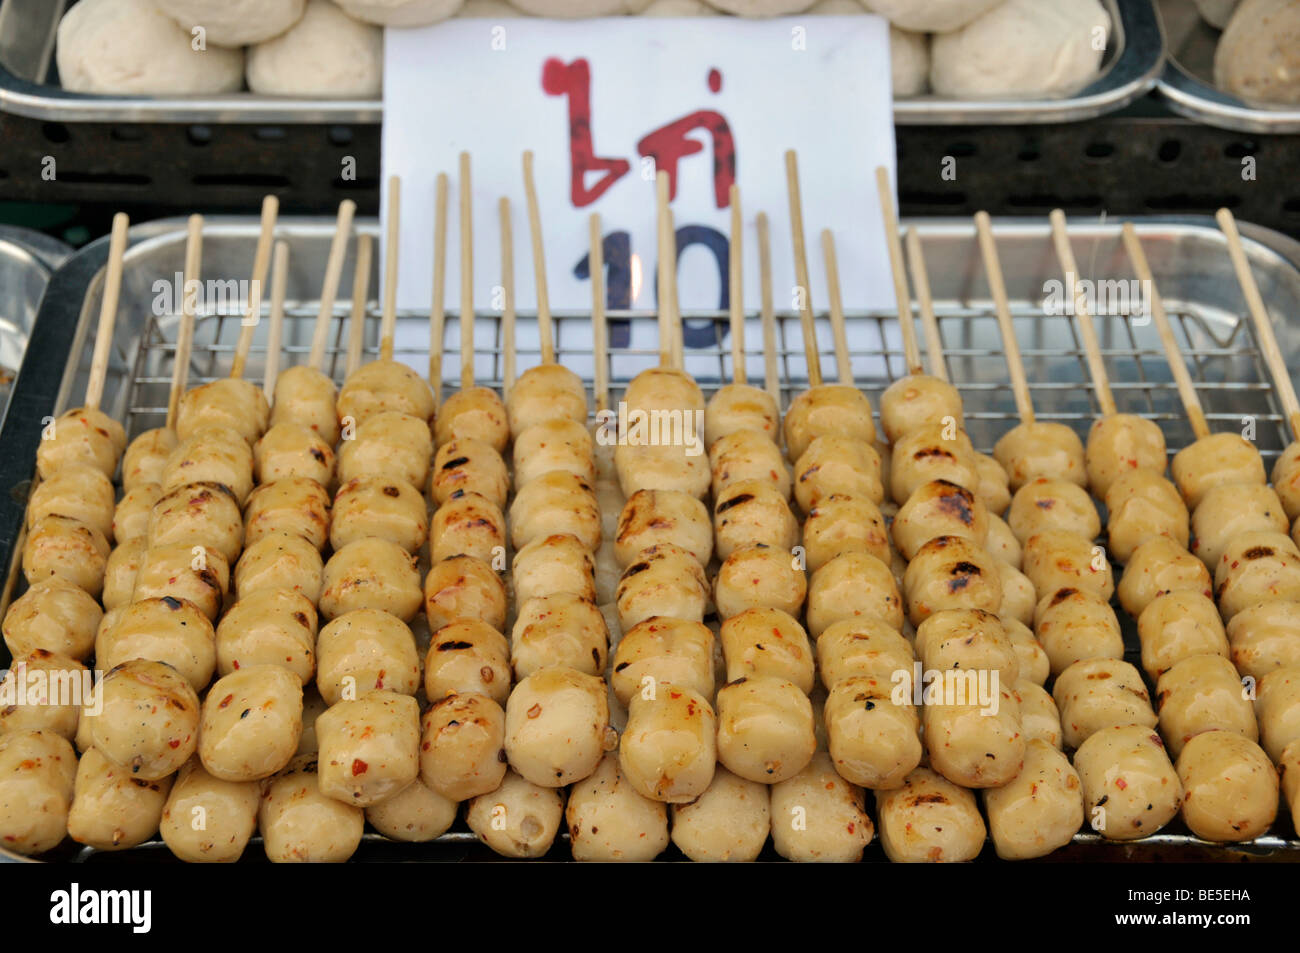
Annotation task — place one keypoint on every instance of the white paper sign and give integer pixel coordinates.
(600, 103)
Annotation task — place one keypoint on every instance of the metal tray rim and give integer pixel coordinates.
(1134, 73)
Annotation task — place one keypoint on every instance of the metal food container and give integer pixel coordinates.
(27, 259)
(1187, 83)
(29, 86)
(1188, 257)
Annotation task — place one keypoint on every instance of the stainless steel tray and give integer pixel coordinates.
(1187, 82)
(29, 88)
(27, 259)
(1187, 255)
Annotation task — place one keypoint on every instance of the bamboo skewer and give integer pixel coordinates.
(466, 275)
(360, 297)
(279, 281)
(330, 287)
(1173, 354)
(811, 354)
(185, 336)
(925, 301)
(107, 312)
(261, 264)
(599, 332)
(997, 285)
(666, 343)
(1264, 334)
(902, 294)
(838, 331)
(675, 327)
(539, 264)
(771, 373)
(736, 290)
(388, 317)
(438, 308)
(1087, 329)
(508, 316)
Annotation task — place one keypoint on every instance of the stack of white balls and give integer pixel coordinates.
(334, 48)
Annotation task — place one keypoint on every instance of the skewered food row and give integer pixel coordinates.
(316, 800)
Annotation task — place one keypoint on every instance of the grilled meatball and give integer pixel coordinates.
(544, 393)
(80, 492)
(467, 656)
(663, 651)
(609, 821)
(843, 524)
(366, 650)
(1073, 625)
(557, 726)
(662, 466)
(270, 627)
(230, 403)
(464, 588)
(1225, 512)
(371, 574)
(291, 450)
(939, 508)
(1101, 693)
(668, 750)
(384, 509)
(369, 747)
(651, 517)
(834, 464)
(306, 397)
(54, 615)
(211, 456)
(62, 547)
(554, 445)
(388, 444)
(765, 729)
(112, 809)
(200, 514)
(874, 742)
(933, 452)
(282, 561)
(131, 516)
(1040, 810)
(207, 820)
(748, 455)
(43, 693)
(519, 818)
(831, 409)
(556, 502)
(729, 822)
(558, 563)
(1177, 625)
(735, 408)
(1231, 788)
(850, 586)
(915, 401)
(752, 513)
(297, 505)
(1200, 693)
(383, 386)
(252, 721)
(1257, 567)
(1221, 459)
(146, 458)
(1141, 504)
(760, 577)
(1057, 559)
(82, 437)
(949, 572)
(1042, 505)
(559, 629)
(37, 773)
(929, 820)
(1041, 449)
(477, 413)
(185, 573)
(818, 817)
(300, 824)
(462, 738)
(664, 580)
(165, 630)
(767, 642)
(1120, 444)
(1265, 637)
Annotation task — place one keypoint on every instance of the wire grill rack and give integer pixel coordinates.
(1224, 360)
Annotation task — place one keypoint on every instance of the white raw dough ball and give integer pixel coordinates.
(1259, 53)
(761, 8)
(400, 12)
(234, 22)
(129, 47)
(909, 53)
(572, 9)
(487, 10)
(327, 54)
(931, 16)
(1023, 48)
(1217, 13)
(678, 8)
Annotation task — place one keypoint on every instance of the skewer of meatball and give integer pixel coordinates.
(953, 591)
(1228, 785)
(51, 628)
